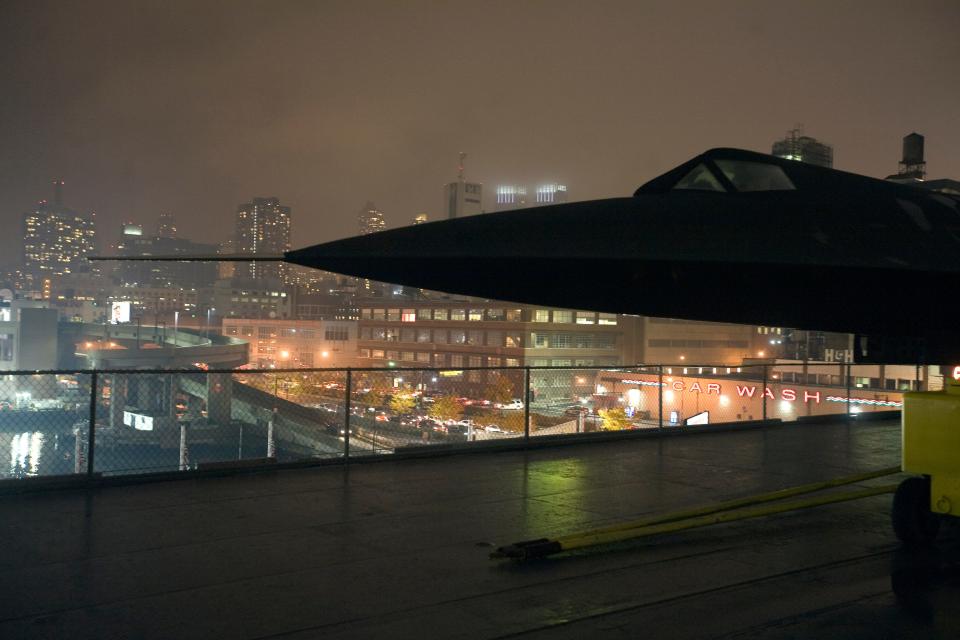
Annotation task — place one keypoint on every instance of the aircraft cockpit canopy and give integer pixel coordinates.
(725, 171)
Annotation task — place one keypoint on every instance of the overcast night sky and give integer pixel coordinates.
(193, 107)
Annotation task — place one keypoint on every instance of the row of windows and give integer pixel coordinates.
(548, 340)
(331, 333)
(699, 344)
(559, 316)
(573, 341)
(443, 336)
(438, 359)
(412, 315)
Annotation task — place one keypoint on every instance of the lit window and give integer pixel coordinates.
(541, 315)
(408, 315)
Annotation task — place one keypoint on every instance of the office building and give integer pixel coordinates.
(510, 196)
(455, 333)
(551, 194)
(187, 275)
(248, 298)
(796, 146)
(462, 198)
(371, 220)
(668, 340)
(56, 241)
(514, 196)
(262, 228)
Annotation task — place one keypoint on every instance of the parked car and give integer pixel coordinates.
(493, 428)
(516, 403)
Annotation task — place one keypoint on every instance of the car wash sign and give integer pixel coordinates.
(759, 392)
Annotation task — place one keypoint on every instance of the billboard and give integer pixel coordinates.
(138, 421)
(119, 312)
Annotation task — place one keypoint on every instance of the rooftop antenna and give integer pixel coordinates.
(58, 192)
(463, 156)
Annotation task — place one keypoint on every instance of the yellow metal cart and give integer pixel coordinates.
(931, 449)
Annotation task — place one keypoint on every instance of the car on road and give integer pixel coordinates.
(493, 428)
(336, 430)
(516, 403)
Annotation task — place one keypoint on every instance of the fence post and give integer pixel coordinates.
(660, 397)
(848, 390)
(765, 392)
(526, 405)
(91, 427)
(346, 416)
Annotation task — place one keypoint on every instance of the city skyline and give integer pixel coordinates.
(125, 149)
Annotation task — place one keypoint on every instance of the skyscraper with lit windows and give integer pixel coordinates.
(56, 240)
(262, 227)
(371, 219)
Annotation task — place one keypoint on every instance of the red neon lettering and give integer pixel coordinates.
(745, 391)
(807, 396)
(768, 394)
(789, 394)
(956, 373)
(696, 387)
(713, 387)
(678, 386)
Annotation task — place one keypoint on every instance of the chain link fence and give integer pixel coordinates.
(124, 422)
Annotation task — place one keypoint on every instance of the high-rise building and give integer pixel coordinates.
(185, 275)
(262, 227)
(796, 146)
(371, 219)
(462, 198)
(511, 196)
(56, 240)
(551, 193)
(166, 226)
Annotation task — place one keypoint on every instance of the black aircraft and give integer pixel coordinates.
(729, 236)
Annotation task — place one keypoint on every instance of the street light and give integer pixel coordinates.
(176, 325)
(209, 313)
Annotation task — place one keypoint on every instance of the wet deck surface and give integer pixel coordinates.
(399, 550)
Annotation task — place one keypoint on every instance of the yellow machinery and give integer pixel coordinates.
(931, 448)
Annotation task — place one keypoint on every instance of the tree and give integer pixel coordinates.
(446, 408)
(377, 393)
(402, 403)
(614, 419)
(500, 389)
